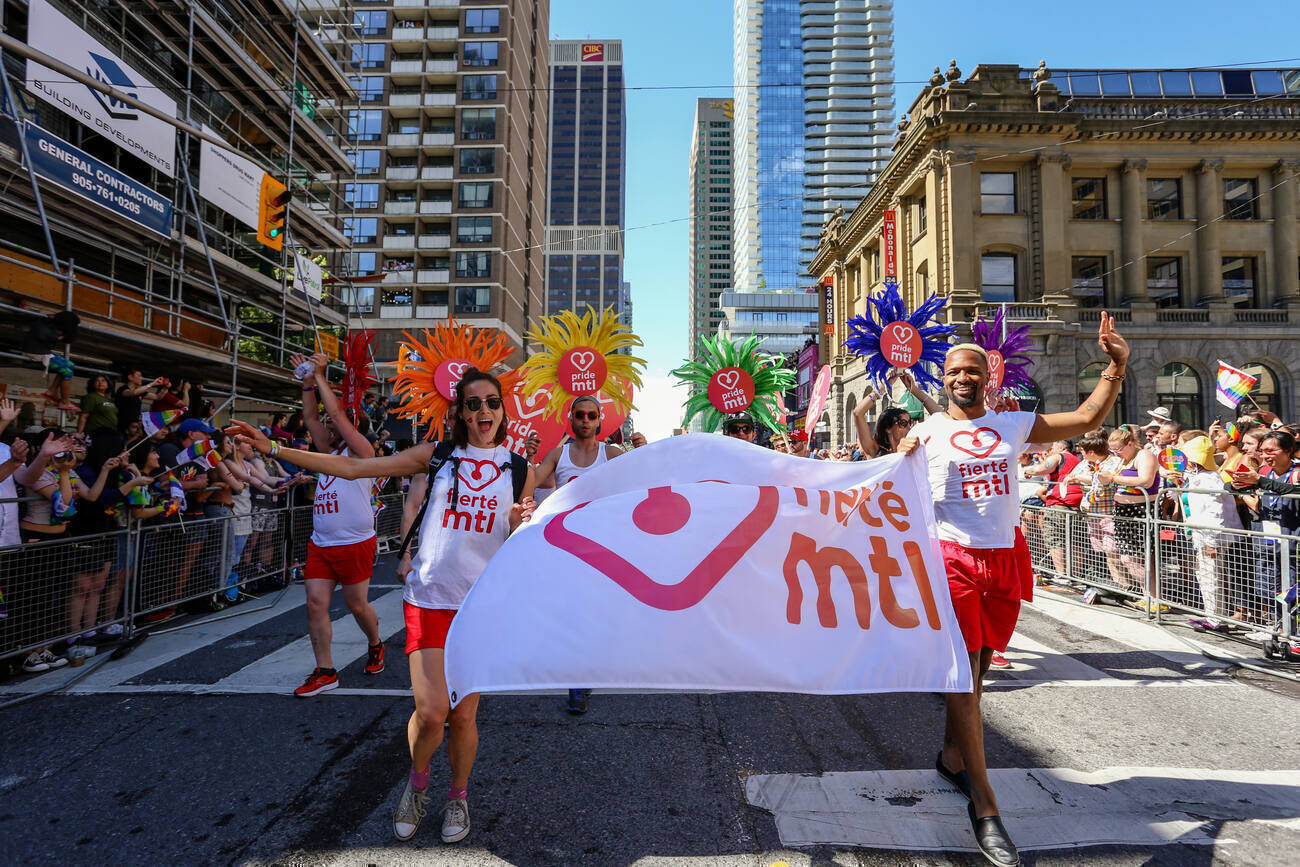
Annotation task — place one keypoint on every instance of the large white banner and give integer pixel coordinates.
(702, 562)
(143, 135)
(230, 181)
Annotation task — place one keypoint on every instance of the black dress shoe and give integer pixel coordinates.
(578, 701)
(959, 779)
(993, 840)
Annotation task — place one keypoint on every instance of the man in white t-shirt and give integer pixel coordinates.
(9, 461)
(342, 546)
(971, 453)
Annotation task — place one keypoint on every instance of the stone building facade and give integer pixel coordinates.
(1167, 197)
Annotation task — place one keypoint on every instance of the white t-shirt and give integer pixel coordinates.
(972, 467)
(457, 542)
(8, 511)
(566, 470)
(1213, 506)
(341, 513)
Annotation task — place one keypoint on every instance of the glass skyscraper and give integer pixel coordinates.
(814, 108)
(588, 143)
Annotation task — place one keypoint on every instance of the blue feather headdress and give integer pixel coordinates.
(865, 331)
(1012, 343)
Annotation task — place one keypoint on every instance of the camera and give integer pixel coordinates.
(63, 456)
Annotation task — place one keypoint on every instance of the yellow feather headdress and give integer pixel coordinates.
(420, 369)
(568, 346)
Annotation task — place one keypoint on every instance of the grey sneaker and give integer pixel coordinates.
(455, 820)
(48, 657)
(410, 810)
(33, 664)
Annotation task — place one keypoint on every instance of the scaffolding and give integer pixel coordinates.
(208, 303)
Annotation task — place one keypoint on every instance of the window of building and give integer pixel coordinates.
(397, 297)
(1165, 280)
(368, 55)
(361, 196)
(359, 263)
(473, 299)
(478, 124)
(475, 196)
(481, 53)
(923, 280)
(477, 161)
(922, 218)
(875, 265)
(473, 230)
(474, 265)
(370, 88)
(998, 277)
(480, 86)
(1088, 280)
(1088, 197)
(1088, 379)
(997, 193)
(365, 161)
(362, 230)
(1239, 278)
(365, 125)
(1264, 392)
(401, 229)
(483, 21)
(1164, 199)
(371, 22)
(1240, 199)
(1179, 387)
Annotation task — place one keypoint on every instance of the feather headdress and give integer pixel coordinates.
(929, 335)
(359, 375)
(1008, 348)
(579, 355)
(721, 371)
(428, 371)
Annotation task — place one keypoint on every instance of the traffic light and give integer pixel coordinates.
(271, 212)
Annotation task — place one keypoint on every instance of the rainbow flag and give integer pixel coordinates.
(201, 453)
(156, 421)
(1172, 460)
(1232, 385)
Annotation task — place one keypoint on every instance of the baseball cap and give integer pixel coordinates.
(800, 435)
(191, 425)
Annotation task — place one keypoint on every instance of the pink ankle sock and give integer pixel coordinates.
(453, 792)
(419, 779)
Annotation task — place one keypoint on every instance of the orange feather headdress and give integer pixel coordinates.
(428, 370)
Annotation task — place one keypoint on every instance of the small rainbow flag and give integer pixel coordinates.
(201, 453)
(1233, 385)
(1172, 460)
(152, 422)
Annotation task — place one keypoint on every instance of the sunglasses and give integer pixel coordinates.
(740, 429)
(474, 404)
(579, 415)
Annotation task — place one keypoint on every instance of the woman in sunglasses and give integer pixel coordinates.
(472, 512)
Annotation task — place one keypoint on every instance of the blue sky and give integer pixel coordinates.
(684, 47)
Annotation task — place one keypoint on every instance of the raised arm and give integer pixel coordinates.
(1093, 411)
(545, 475)
(404, 463)
(28, 475)
(357, 443)
(866, 439)
(310, 412)
(909, 382)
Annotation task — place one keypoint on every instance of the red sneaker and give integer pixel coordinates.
(999, 661)
(375, 660)
(316, 683)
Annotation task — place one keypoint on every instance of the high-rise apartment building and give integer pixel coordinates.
(710, 214)
(449, 145)
(814, 108)
(587, 178)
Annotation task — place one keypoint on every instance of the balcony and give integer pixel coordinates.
(433, 275)
(399, 207)
(407, 67)
(403, 100)
(408, 34)
(434, 173)
(403, 140)
(399, 277)
(421, 4)
(433, 242)
(440, 100)
(435, 207)
(439, 139)
(431, 311)
(395, 311)
(442, 34)
(440, 67)
(399, 242)
(404, 173)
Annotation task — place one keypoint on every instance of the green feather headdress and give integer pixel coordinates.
(771, 379)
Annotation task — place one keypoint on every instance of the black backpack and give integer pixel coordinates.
(442, 453)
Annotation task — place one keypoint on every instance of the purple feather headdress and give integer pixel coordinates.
(1012, 343)
(865, 331)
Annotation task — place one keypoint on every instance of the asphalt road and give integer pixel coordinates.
(190, 750)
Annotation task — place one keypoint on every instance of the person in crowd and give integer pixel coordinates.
(1209, 512)
(42, 339)
(1060, 498)
(894, 423)
(379, 413)
(98, 411)
(1098, 503)
(279, 432)
(26, 416)
(1167, 435)
(132, 393)
(1136, 486)
(1227, 442)
(176, 395)
(193, 482)
(48, 480)
(96, 488)
(1275, 515)
(1250, 445)
(219, 508)
(12, 457)
(779, 444)
(796, 442)
(251, 477)
(1149, 434)
(740, 426)
(449, 557)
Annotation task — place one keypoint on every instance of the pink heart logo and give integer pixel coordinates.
(583, 360)
(457, 369)
(979, 448)
(729, 379)
(900, 331)
(482, 474)
(535, 403)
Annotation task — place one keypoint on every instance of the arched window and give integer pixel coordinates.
(1179, 387)
(1088, 379)
(1264, 392)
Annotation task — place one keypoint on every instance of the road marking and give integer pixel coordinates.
(1043, 808)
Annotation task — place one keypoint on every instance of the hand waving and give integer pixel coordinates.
(1110, 340)
(8, 412)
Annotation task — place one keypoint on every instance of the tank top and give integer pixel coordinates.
(566, 471)
(1130, 471)
(457, 540)
(341, 513)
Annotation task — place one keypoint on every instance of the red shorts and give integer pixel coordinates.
(985, 586)
(346, 564)
(426, 628)
(1025, 563)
